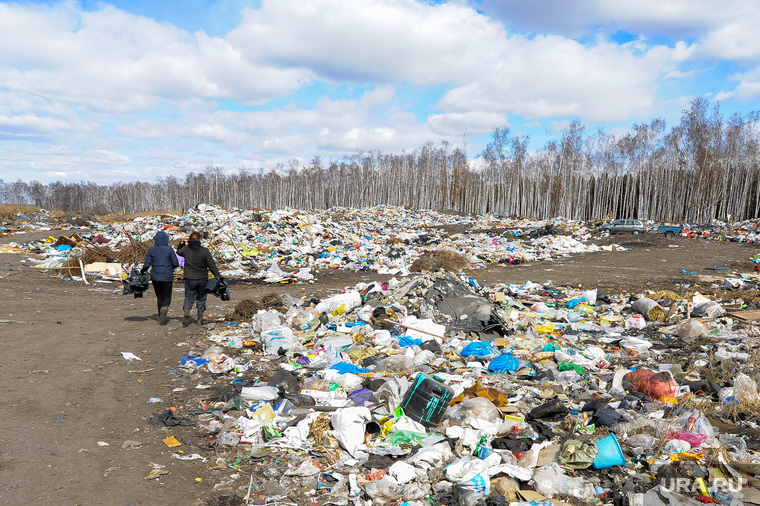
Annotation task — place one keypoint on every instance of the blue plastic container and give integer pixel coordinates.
(608, 453)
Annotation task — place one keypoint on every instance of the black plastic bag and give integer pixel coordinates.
(219, 288)
(136, 284)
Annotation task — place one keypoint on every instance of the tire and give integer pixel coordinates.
(670, 235)
(636, 232)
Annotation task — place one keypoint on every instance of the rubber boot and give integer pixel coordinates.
(186, 318)
(163, 315)
(200, 317)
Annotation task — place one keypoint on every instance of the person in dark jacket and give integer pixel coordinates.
(198, 261)
(161, 261)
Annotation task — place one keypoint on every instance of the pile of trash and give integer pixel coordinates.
(435, 390)
(289, 245)
(292, 245)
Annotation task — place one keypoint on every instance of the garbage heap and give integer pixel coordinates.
(293, 245)
(436, 390)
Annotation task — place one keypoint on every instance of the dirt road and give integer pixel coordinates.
(70, 400)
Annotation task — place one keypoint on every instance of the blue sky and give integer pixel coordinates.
(141, 90)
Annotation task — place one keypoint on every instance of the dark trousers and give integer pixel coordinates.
(163, 293)
(195, 291)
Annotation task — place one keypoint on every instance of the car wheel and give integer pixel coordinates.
(635, 232)
(670, 235)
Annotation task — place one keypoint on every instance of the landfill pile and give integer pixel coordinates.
(435, 390)
(429, 388)
(289, 245)
(292, 245)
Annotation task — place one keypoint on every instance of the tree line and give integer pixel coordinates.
(706, 167)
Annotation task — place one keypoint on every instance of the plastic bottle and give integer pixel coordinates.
(261, 412)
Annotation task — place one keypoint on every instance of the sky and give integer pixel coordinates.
(139, 90)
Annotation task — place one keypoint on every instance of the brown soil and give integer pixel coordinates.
(67, 391)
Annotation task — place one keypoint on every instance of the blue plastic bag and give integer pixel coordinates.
(346, 367)
(504, 363)
(477, 349)
(409, 341)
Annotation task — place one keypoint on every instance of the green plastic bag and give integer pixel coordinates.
(567, 366)
(400, 437)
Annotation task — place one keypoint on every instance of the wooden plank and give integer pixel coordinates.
(752, 315)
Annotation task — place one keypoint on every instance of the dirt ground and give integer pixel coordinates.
(70, 400)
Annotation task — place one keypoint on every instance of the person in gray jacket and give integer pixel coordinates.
(198, 262)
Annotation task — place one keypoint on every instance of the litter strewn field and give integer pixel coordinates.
(595, 376)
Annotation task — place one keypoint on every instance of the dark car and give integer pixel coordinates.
(630, 226)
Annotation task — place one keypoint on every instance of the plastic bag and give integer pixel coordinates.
(264, 320)
(349, 425)
(339, 304)
(471, 474)
(475, 407)
(709, 309)
(694, 439)
(325, 359)
(550, 480)
(641, 443)
(259, 393)
(403, 472)
(590, 296)
(400, 437)
(744, 390)
(220, 364)
(477, 349)
(304, 319)
(416, 491)
(387, 487)
(277, 338)
(635, 321)
(655, 385)
(504, 363)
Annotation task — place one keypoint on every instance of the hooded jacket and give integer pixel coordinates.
(160, 259)
(198, 261)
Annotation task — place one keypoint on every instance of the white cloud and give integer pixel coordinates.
(554, 76)
(369, 40)
(739, 40)
(679, 74)
(113, 61)
(108, 88)
(747, 90)
(674, 18)
(280, 130)
(457, 124)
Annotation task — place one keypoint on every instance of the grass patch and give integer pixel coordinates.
(447, 259)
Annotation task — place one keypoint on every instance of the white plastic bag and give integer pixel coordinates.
(259, 393)
(349, 425)
(339, 304)
(221, 363)
(470, 473)
(403, 472)
(387, 487)
(265, 320)
(276, 338)
(551, 480)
